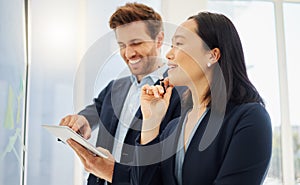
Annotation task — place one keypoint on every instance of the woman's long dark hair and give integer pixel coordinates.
(217, 31)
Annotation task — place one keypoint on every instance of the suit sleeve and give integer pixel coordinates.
(248, 155)
(92, 111)
(121, 174)
(136, 174)
(91, 114)
(148, 168)
(147, 174)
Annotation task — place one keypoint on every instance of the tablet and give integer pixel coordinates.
(64, 133)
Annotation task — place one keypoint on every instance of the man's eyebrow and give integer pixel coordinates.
(121, 44)
(131, 41)
(135, 40)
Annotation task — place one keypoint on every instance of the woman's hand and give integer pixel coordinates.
(154, 105)
(100, 167)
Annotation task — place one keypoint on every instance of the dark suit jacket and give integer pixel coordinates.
(108, 107)
(239, 154)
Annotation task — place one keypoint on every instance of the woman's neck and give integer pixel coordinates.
(199, 98)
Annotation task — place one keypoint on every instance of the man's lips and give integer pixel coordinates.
(134, 61)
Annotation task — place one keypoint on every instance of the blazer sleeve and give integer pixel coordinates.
(248, 155)
(92, 111)
(135, 174)
(147, 170)
(121, 173)
(91, 114)
(146, 174)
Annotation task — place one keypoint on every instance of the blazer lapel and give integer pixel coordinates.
(119, 93)
(170, 150)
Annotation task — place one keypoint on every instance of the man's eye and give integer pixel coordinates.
(136, 43)
(122, 46)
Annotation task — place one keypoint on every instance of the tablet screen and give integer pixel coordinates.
(64, 133)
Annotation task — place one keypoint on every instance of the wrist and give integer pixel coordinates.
(148, 135)
(110, 173)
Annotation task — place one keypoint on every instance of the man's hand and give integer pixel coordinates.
(78, 123)
(100, 167)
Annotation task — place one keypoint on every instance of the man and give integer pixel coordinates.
(138, 31)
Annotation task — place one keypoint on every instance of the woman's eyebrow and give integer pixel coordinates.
(177, 37)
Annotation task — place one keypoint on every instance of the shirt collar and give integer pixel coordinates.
(150, 78)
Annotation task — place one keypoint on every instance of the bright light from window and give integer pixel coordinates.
(58, 35)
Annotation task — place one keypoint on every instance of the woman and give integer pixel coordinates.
(224, 135)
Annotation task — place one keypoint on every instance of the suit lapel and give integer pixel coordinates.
(170, 147)
(119, 93)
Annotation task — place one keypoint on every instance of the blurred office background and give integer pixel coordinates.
(46, 46)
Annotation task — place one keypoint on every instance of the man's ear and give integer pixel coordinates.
(215, 55)
(160, 39)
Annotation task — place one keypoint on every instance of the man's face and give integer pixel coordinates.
(138, 49)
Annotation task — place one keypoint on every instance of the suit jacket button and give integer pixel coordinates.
(98, 179)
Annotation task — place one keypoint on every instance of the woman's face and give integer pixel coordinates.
(188, 57)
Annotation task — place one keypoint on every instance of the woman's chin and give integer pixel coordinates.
(173, 81)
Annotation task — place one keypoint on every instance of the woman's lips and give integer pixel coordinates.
(172, 66)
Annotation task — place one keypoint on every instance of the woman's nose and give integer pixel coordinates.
(170, 55)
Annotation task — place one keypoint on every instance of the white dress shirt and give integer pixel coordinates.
(131, 105)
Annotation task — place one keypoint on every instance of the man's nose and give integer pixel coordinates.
(129, 52)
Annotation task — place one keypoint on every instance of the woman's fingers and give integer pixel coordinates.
(146, 89)
(168, 93)
(167, 82)
(157, 90)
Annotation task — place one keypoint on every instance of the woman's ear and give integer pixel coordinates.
(160, 39)
(215, 55)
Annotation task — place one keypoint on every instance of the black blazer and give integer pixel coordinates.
(108, 106)
(239, 154)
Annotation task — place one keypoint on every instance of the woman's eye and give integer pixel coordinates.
(178, 44)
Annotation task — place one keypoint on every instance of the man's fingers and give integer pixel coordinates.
(76, 123)
(82, 152)
(73, 123)
(105, 151)
(65, 121)
(68, 121)
(75, 146)
(86, 134)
